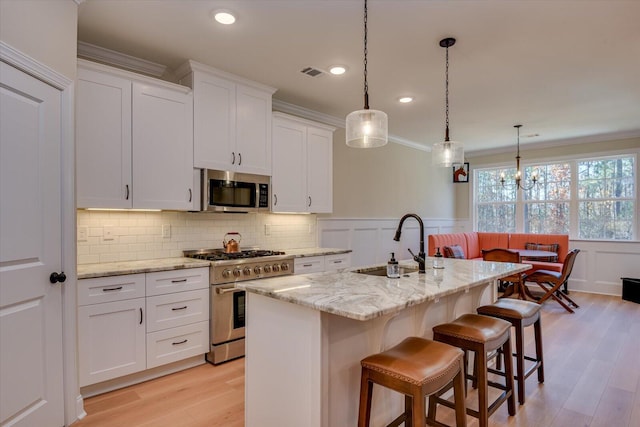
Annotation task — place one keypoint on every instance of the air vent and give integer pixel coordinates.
(311, 71)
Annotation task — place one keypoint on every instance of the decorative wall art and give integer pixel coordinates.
(461, 172)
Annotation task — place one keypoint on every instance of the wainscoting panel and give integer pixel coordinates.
(598, 268)
(372, 239)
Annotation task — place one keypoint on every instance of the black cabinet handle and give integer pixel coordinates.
(179, 308)
(179, 281)
(56, 277)
(179, 342)
(141, 317)
(126, 197)
(111, 289)
(190, 196)
(275, 199)
(240, 161)
(233, 160)
(309, 201)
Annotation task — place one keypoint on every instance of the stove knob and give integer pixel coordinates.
(284, 266)
(276, 267)
(246, 271)
(226, 273)
(257, 269)
(267, 269)
(236, 272)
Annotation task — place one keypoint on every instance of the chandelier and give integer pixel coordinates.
(519, 184)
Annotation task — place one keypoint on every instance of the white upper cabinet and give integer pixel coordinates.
(302, 159)
(232, 120)
(162, 148)
(134, 141)
(103, 135)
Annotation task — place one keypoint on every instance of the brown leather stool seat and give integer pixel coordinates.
(416, 367)
(481, 335)
(520, 314)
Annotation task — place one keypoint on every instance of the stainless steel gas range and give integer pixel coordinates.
(226, 302)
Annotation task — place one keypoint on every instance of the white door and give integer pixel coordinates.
(31, 390)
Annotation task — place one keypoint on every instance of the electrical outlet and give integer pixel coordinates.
(267, 229)
(166, 231)
(83, 233)
(107, 232)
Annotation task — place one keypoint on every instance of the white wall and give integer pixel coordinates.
(389, 181)
(138, 235)
(44, 30)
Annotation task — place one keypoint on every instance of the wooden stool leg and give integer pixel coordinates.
(537, 329)
(418, 415)
(483, 389)
(508, 370)
(366, 390)
(458, 395)
(408, 410)
(520, 360)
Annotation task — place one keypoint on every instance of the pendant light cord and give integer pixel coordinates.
(447, 95)
(366, 85)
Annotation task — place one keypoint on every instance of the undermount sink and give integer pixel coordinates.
(382, 271)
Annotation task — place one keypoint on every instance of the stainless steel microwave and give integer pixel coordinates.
(224, 191)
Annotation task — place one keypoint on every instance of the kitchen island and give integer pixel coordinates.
(306, 335)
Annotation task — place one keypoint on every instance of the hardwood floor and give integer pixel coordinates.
(592, 378)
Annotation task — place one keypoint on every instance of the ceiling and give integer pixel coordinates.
(568, 71)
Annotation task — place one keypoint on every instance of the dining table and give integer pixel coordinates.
(529, 254)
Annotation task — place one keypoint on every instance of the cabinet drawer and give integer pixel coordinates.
(312, 264)
(109, 289)
(188, 279)
(178, 343)
(337, 261)
(183, 308)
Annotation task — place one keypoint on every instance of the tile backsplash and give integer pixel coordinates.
(109, 236)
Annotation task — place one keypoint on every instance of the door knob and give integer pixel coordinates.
(57, 277)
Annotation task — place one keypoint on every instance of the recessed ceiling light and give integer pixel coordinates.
(224, 16)
(337, 69)
(405, 99)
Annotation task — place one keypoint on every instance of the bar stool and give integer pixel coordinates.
(520, 314)
(481, 335)
(416, 367)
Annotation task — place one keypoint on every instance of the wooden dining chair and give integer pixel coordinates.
(551, 281)
(516, 280)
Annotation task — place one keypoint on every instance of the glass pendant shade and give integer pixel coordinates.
(366, 129)
(447, 153)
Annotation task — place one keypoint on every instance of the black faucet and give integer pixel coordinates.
(421, 255)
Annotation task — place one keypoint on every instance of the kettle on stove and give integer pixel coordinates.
(231, 245)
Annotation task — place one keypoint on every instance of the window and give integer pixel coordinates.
(585, 198)
(547, 204)
(606, 198)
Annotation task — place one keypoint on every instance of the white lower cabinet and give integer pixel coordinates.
(320, 263)
(130, 323)
(111, 340)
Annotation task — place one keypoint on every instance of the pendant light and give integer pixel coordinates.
(447, 153)
(366, 128)
(534, 176)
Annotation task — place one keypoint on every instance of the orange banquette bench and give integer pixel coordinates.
(472, 244)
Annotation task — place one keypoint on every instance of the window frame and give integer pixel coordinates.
(574, 202)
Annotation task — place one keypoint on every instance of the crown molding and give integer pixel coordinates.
(27, 64)
(587, 139)
(111, 57)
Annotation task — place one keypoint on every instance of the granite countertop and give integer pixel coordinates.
(307, 252)
(364, 297)
(87, 271)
